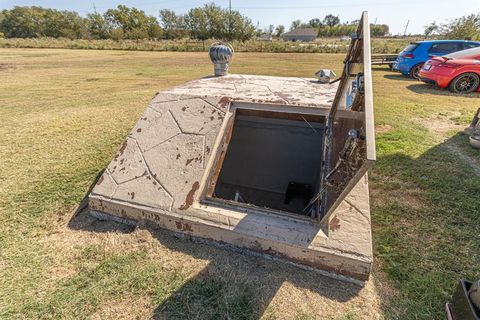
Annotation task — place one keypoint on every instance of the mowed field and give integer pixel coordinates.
(63, 114)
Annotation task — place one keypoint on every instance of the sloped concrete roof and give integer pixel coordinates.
(163, 158)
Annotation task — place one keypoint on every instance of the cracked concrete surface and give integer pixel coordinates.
(157, 172)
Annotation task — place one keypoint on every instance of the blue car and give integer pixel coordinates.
(412, 58)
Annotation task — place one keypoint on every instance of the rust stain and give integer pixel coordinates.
(99, 182)
(189, 161)
(318, 265)
(124, 146)
(334, 224)
(189, 198)
(139, 130)
(183, 226)
(121, 150)
(224, 101)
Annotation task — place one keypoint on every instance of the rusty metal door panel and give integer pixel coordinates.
(349, 142)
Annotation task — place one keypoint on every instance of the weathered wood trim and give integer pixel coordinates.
(367, 74)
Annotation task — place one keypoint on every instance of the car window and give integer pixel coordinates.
(445, 47)
(464, 53)
(411, 47)
(469, 45)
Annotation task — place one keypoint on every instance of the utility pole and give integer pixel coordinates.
(405, 31)
(230, 19)
(94, 8)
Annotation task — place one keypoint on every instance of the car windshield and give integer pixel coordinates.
(411, 47)
(464, 53)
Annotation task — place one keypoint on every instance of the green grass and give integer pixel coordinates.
(64, 112)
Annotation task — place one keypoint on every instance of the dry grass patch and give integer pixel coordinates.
(64, 114)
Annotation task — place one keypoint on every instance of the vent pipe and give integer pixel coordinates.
(221, 55)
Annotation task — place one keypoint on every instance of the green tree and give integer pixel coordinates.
(63, 24)
(172, 24)
(211, 21)
(315, 23)
(32, 22)
(467, 27)
(23, 22)
(295, 24)
(133, 23)
(379, 30)
(242, 27)
(331, 20)
(279, 30)
(97, 26)
(431, 29)
(196, 22)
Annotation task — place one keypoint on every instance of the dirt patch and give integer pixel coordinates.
(125, 308)
(404, 193)
(443, 123)
(5, 66)
(440, 127)
(382, 128)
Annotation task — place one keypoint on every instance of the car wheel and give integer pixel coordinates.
(465, 83)
(415, 70)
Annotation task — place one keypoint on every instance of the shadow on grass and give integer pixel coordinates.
(423, 88)
(425, 222)
(399, 76)
(235, 284)
(381, 68)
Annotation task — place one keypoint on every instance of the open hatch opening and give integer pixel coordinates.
(272, 160)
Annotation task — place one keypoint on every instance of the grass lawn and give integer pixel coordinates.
(63, 114)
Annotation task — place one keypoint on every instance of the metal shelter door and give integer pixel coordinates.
(349, 140)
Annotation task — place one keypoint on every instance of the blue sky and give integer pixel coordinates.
(395, 13)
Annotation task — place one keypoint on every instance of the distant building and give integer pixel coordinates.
(301, 34)
(265, 37)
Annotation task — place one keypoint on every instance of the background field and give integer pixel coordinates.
(64, 112)
(320, 45)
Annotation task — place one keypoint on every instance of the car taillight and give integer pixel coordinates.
(408, 55)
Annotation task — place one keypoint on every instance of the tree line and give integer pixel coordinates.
(331, 26)
(466, 27)
(122, 22)
(207, 22)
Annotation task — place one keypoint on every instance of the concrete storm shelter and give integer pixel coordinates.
(274, 165)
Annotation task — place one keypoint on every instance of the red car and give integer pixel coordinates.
(459, 71)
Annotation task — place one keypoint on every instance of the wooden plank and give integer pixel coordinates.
(367, 74)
